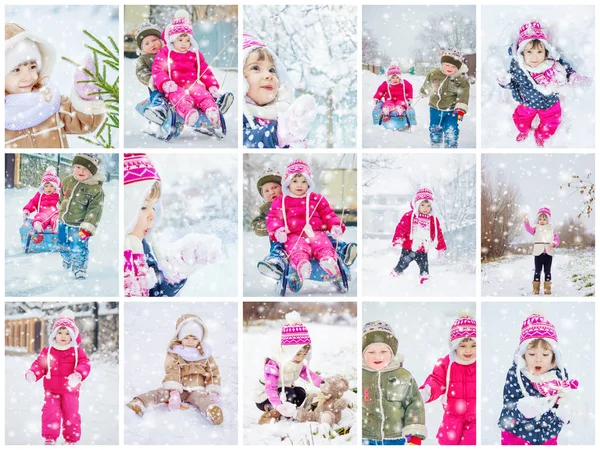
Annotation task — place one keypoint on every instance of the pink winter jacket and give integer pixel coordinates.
(62, 363)
(402, 92)
(272, 380)
(323, 219)
(461, 392)
(182, 68)
(46, 204)
(403, 232)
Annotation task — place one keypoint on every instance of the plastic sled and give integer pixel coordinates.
(48, 243)
(394, 121)
(317, 273)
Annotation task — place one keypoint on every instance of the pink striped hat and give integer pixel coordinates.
(463, 328)
(537, 327)
(179, 25)
(294, 333)
(294, 168)
(534, 30)
(544, 210)
(50, 177)
(137, 167)
(394, 69)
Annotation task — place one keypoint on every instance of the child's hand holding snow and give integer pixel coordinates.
(82, 80)
(74, 380)
(169, 86)
(579, 80)
(569, 405)
(295, 123)
(281, 235)
(174, 400)
(425, 393)
(337, 232)
(214, 397)
(184, 256)
(286, 409)
(503, 78)
(30, 376)
(535, 406)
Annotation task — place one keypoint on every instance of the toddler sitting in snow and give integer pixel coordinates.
(64, 366)
(191, 374)
(536, 73)
(454, 379)
(45, 204)
(395, 93)
(272, 118)
(538, 394)
(164, 273)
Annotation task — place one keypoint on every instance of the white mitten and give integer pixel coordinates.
(169, 86)
(568, 406)
(294, 124)
(503, 78)
(425, 393)
(74, 380)
(286, 409)
(579, 80)
(184, 256)
(281, 235)
(30, 376)
(532, 407)
(174, 400)
(337, 232)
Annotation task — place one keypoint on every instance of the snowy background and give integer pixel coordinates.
(572, 32)
(257, 247)
(423, 331)
(390, 182)
(317, 44)
(501, 327)
(224, 67)
(200, 196)
(149, 327)
(332, 329)
(62, 26)
(99, 395)
(412, 36)
(521, 185)
(42, 274)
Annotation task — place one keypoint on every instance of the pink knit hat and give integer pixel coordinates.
(139, 176)
(179, 25)
(535, 327)
(544, 210)
(530, 31)
(67, 320)
(294, 333)
(137, 167)
(422, 194)
(50, 177)
(250, 42)
(462, 328)
(294, 168)
(394, 69)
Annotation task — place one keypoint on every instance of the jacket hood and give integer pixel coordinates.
(14, 34)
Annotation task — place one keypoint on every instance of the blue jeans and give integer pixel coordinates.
(443, 125)
(399, 441)
(73, 250)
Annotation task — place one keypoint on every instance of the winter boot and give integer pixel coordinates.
(214, 413)
(191, 117)
(270, 270)
(50, 441)
(225, 101)
(522, 136)
(350, 253)
(547, 287)
(536, 288)
(37, 238)
(213, 115)
(80, 274)
(269, 416)
(294, 283)
(66, 265)
(304, 269)
(394, 273)
(330, 266)
(136, 406)
(539, 140)
(424, 278)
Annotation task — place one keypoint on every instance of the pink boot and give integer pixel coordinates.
(330, 266)
(522, 136)
(424, 278)
(539, 140)
(191, 117)
(213, 115)
(304, 269)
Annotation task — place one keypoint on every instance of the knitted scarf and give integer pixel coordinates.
(24, 111)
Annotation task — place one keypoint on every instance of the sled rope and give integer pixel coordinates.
(308, 223)
(218, 54)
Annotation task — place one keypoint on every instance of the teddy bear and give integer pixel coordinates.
(327, 405)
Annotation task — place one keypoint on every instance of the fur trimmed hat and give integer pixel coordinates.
(297, 167)
(50, 177)
(452, 56)
(268, 176)
(139, 175)
(90, 161)
(21, 46)
(144, 30)
(394, 69)
(379, 332)
(190, 324)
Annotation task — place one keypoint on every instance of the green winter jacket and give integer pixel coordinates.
(259, 223)
(81, 202)
(447, 93)
(143, 69)
(392, 406)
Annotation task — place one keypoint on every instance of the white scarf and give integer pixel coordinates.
(24, 111)
(189, 353)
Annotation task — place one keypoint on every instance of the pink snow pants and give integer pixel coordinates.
(299, 250)
(456, 430)
(393, 106)
(549, 119)
(65, 408)
(507, 438)
(196, 95)
(47, 220)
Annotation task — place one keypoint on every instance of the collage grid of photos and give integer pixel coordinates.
(309, 176)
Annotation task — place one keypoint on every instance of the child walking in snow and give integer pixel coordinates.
(392, 408)
(81, 204)
(448, 90)
(299, 219)
(538, 394)
(454, 378)
(417, 233)
(272, 117)
(36, 115)
(64, 366)
(191, 373)
(149, 271)
(277, 393)
(536, 73)
(545, 241)
(395, 93)
(45, 204)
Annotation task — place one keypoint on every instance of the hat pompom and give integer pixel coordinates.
(293, 317)
(182, 13)
(51, 170)
(68, 314)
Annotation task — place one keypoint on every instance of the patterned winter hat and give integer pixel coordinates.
(544, 210)
(453, 56)
(268, 176)
(422, 194)
(144, 30)
(180, 25)
(66, 320)
(531, 31)
(139, 175)
(535, 327)
(90, 161)
(379, 332)
(462, 328)
(394, 69)
(294, 333)
(294, 168)
(138, 167)
(50, 177)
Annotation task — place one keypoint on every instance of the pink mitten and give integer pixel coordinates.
(85, 89)
(281, 235)
(336, 232)
(174, 400)
(30, 376)
(169, 86)
(74, 380)
(214, 397)
(214, 91)
(579, 80)
(295, 123)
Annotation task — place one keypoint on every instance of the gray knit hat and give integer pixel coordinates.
(379, 332)
(268, 176)
(90, 161)
(144, 30)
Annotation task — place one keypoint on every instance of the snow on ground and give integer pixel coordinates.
(42, 274)
(375, 136)
(257, 285)
(135, 124)
(333, 353)
(448, 279)
(501, 327)
(98, 404)
(149, 328)
(572, 275)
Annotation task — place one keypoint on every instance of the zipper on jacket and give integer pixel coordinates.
(380, 403)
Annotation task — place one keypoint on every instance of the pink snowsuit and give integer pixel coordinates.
(191, 74)
(272, 382)
(61, 402)
(46, 206)
(394, 95)
(549, 119)
(508, 438)
(458, 423)
(291, 212)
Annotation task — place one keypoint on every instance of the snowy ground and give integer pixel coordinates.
(334, 353)
(375, 136)
(447, 279)
(98, 404)
(135, 124)
(42, 274)
(257, 285)
(148, 329)
(422, 330)
(501, 326)
(572, 275)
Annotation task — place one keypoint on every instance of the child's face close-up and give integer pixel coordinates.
(190, 341)
(299, 185)
(49, 189)
(21, 79)
(182, 43)
(377, 356)
(543, 220)
(449, 69)
(300, 355)
(539, 359)
(81, 173)
(534, 56)
(270, 191)
(466, 350)
(151, 44)
(63, 337)
(262, 80)
(394, 79)
(425, 207)
(145, 219)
